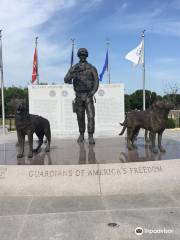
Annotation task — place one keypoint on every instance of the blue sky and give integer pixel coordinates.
(90, 23)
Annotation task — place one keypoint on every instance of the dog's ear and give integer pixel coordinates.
(158, 104)
(154, 105)
(13, 102)
(18, 102)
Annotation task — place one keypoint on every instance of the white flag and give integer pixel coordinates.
(136, 55)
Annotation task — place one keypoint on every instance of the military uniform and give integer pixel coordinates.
(85, 81)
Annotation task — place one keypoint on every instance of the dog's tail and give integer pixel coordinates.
(124, 124)
(123, 130)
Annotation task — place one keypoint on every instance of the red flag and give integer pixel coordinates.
(35, 67)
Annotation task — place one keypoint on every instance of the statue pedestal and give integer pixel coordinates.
(107, 168)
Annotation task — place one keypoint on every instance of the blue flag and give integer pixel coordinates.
(105, 67)
(72, 57)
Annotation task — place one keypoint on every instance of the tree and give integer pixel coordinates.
(171, 93)
(127, 103)
(9, 93)
(135, 100)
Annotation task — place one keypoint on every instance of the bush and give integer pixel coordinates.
(170, 123)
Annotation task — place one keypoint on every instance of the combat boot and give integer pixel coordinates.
(91, 139)
(80, 138)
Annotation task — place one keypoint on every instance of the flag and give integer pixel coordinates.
(105, 67)
(72, 57)
(35, 67)
(136, 55)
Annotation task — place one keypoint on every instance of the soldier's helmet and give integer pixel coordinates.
(82, 51)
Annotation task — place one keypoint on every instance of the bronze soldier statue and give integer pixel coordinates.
(85, 81)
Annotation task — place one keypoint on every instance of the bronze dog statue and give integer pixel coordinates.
(153, 120)
(28, 124)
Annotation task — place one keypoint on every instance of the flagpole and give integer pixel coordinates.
(36, 46)
(72, 54)
(143, 70)
(2, 83)
(108, 68)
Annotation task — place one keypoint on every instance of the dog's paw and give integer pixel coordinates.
(162, 150)
(154, 150)
(135, 146)
(47, 149)
(35, 150)
(130, 147)
(20, 155)
(30, 155)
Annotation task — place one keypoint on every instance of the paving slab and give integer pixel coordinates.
(14, 205)
(66, 204)
(10, 227)
(96, 218)
(150, 219)
(95, 225)
(41, 205)
(142, 200)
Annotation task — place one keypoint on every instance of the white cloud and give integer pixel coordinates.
(169, 27)
(22, 21)
(167, 60)
(124, 5)
(155, 20)
(175, 4)
(88, 5)
(136, 20)
(27, 14)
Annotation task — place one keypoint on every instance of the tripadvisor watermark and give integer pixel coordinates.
(140, 231)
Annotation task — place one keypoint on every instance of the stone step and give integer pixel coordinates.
(90, 179)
